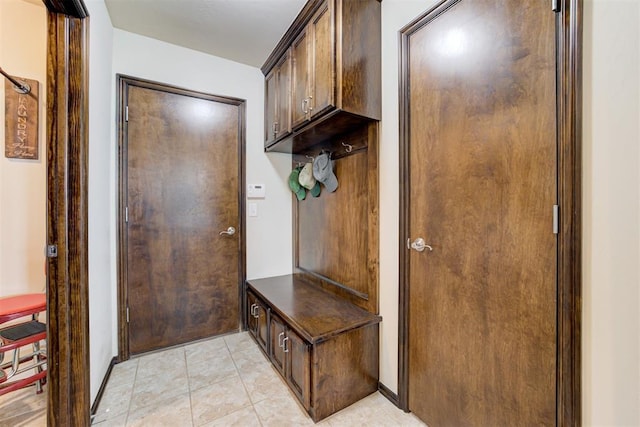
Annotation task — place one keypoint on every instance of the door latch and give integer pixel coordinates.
(52, 251)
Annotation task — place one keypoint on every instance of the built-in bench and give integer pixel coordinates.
(325, 347)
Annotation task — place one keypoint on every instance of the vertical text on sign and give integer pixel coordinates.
(21, 121)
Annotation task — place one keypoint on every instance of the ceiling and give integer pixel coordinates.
(244, 31)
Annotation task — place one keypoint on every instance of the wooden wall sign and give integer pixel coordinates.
(21, 120)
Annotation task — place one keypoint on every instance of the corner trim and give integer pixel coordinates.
(103, 385)
(391, 396)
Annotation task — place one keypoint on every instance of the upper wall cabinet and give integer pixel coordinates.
(278, 101)
(323, 78)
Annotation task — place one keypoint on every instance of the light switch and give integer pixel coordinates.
(253, 209)
(256, 191)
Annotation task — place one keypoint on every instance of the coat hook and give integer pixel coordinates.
(18, 87)
(349, 147)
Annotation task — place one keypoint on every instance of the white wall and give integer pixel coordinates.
(101, 215)
(611, 233)
(23, 53)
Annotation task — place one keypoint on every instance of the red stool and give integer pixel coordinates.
(26, 333)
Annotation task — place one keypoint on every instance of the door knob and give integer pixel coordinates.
(418, 245)
(229, 231)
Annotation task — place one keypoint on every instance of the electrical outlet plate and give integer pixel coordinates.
(253, 209)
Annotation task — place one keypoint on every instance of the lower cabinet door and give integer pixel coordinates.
(298, 367)
(262, 333)
(252, 320)
(276, 352)
(257, 320)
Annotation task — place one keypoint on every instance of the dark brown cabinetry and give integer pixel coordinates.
(257, 320)
(278, 100)
(325, 348)
(334, 46)
(314, 62)
(290, 355)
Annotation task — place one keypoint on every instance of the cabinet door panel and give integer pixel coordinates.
(276, 353)
(323, 61)
(283, 107)
(252, 323)
(298, 369)
(270, 106)
(300, 85)
(262, 327)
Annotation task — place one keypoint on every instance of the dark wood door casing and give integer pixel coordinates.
(205, 293)
(68, 398)
(568, 48)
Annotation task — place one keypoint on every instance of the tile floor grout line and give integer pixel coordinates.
(186, 366)
(133, 387)
(243, 384)
(378, 410)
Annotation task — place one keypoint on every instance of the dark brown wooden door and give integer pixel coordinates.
(182, 191)
(482, 186)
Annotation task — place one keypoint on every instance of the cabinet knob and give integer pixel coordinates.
(304, 105)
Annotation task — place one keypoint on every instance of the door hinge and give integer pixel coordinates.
(126, 214)
(126, 113)
(556, 219)
(555, 5)
(52, 251)
(127, 314)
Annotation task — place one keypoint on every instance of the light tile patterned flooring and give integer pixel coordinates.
(225, 381)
